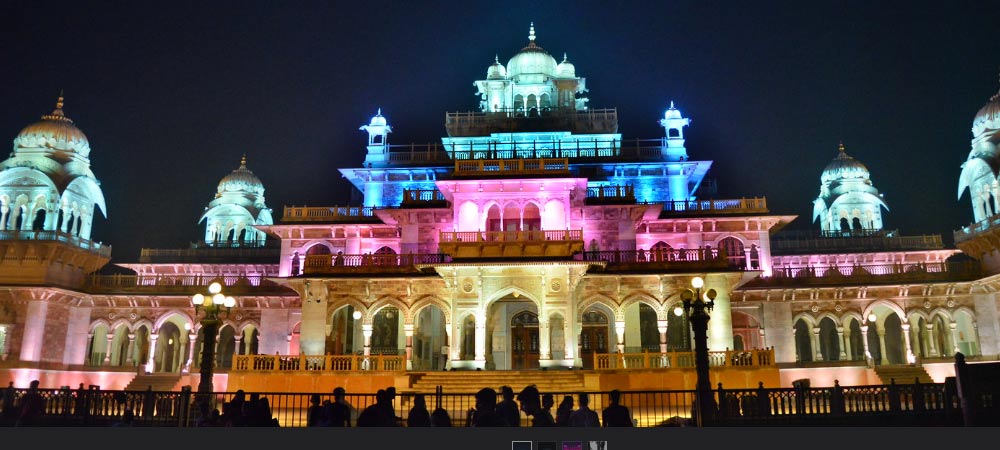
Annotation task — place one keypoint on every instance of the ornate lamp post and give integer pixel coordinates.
(213, 305)
(696, 307)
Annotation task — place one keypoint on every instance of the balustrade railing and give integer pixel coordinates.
(56, 236)
(753, 205)
(683, 360)
(854, 273)
(610, 194)
(511, 166)
(368, 262)
(511, 236)
(328, 213)
(423, 197)
(318, 363)
(179, 283)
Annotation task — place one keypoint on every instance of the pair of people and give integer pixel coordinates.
(615, 415)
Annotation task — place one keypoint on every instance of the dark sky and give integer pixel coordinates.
(171, 94)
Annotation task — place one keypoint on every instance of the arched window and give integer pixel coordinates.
(318, 249)
(649, 334)
(734, 252)
(845, 226)
(660, 251)
(803, 341)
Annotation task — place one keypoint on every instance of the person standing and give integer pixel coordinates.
(419, 416)
(508, 409)
(584, 417)
(338, 413)
(564, 411)
(32, 407)
(531, 405)
(616, 414)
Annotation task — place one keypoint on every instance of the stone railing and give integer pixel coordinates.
(423, 198)
(367, 263)
(328, 214)
(182, 284)
(511, 236)
(318, 363)
(655, 259)
(605, 195)
(683, 360)
(478, 123)
(870, 273)
(539, 166)
(970, 231)
(56, 236)
(753, 205)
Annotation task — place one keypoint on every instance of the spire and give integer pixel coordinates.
(57, 114)
(565, 58)
(531, 33)
(379, 113)
(672, 105)
(243, 161)
(841, 147)
(496, 59)
(59, 103)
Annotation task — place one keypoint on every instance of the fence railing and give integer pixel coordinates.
(538, 166)
(478, 123)
(318, 363)
(883, 405)
(610, 195)
(896, 273)
(511, 236)
(56, 236)
(180, 283)
(328, 213)
(683, 360)
(368, 263)
(753, 205)
(422, 198)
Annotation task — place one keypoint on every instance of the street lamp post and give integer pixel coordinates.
(696, 307)
(213, 305)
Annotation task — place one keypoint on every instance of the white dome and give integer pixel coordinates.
(532, 60)
(672, 113)
(378, 120)
(844, 167)
(241, 180)
(496, 71)
(55, 132)
(988, 117)
(566, 69)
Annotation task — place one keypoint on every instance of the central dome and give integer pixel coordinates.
(988, 117)
(241, 180)
(844, 167)
(56, 132)
(532, 60)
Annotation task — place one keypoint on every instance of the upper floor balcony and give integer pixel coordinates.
(94, 247)
(664, 260)
(973, 229)
(801, 242)
(478, 123)
(368, 264)
(578, 150)
(862, 274)
(254, 252)
(329, 214)
(423, 198)
(610, 195)
(511, 167)
(511, 244)
(736, 206)
(184, 285)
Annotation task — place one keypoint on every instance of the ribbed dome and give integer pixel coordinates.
(241, 180)
(55, 131)
(496, 71)
(988, 117)
(566, 69)
(378, 120)
(531, 60)
(844, 167)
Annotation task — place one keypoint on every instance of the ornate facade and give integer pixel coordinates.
(532, 236)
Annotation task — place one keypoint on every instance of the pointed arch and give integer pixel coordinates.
(142, 322)
(599, 299)
(648, 299)
(184, 318)
(849, 316)
(510, 290)
(887, 304)
(384, 301)
(807, 318)
(97, 323)
(426, 301)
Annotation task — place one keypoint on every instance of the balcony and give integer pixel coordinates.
(423, 198)
(215, 253)
(185, 285)
(792, 242)
(511, 244)
(862, 274)
(976, 228)
(95, 247)
(579, 150)
(660, 261)
(736, 206)
(511, 167)
(368, 264)
(477, 123)
(329, 214)
(610, 195)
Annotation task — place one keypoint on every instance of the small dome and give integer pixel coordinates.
(988, 117)
(55, 131)
(672, 112)
(241, 180)
(844, 167)
(496, 71)
(532, 60)
(378, 120)
(566, 69)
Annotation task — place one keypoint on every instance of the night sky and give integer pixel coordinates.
(170, 94)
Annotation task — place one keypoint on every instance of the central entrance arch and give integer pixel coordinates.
(524, 342)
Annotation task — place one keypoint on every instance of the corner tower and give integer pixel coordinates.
(237, 207)
(848, 201)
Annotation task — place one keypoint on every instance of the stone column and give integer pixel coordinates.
(883, 358)
(192, 339)
(620, 335)
(480, 359)
(130, 353)
(843, 343)
(150, 363)
(408, 330)
(864, 340)
(953, 326)
(3, 217)
(544, 342)
(910, 357)
(817, 349)
(449, 346)
(661, 326)
(932, 341)
(33, 336)
(571, 342)
(107, 348)
(366, 331)
(237, 340)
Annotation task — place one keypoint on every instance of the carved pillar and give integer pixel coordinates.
(544, 341)
(237, 340)
(620, 335)
(882, 357)
(932, 341)
(449, 348)
(910, 357)
(953, 326)
(366, 331)
(192, 339)
(107, 349)
(661, 326)
(130, 351)
(816, 347)
(843, 343)
(571, 347)
(408, 330)
(480, 338)
(864, 340)
(4, 209)
(150, 363)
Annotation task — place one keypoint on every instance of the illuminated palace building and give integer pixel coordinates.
(534, 235)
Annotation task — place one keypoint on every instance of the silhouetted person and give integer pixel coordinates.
(338, 413)
(419, 416)
(80, 401)
(548, 401)
(148, 402)
(485, 413)
(314, 417)
(507, 408)
(616, 415)
(9, 412)
(390, 394)
(440, 416)
(531, 404)
(32, 407)
(564, 411)
(377, 414)
(339, 259)
(584, 416)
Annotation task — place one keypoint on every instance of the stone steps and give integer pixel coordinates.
(158, 382)
(903, 374)
(473, 381)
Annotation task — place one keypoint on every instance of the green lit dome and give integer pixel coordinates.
(241, 180)
(532, 60)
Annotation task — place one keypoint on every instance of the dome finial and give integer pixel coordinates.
(841, 146)
(59, 103)
(565, 58)
(672, 105)
(379, 112)
(243, 161)
(496, 58)
(531, 32)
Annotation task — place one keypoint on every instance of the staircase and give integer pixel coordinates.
(903, 374)
(160, 382)
(470, 382)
